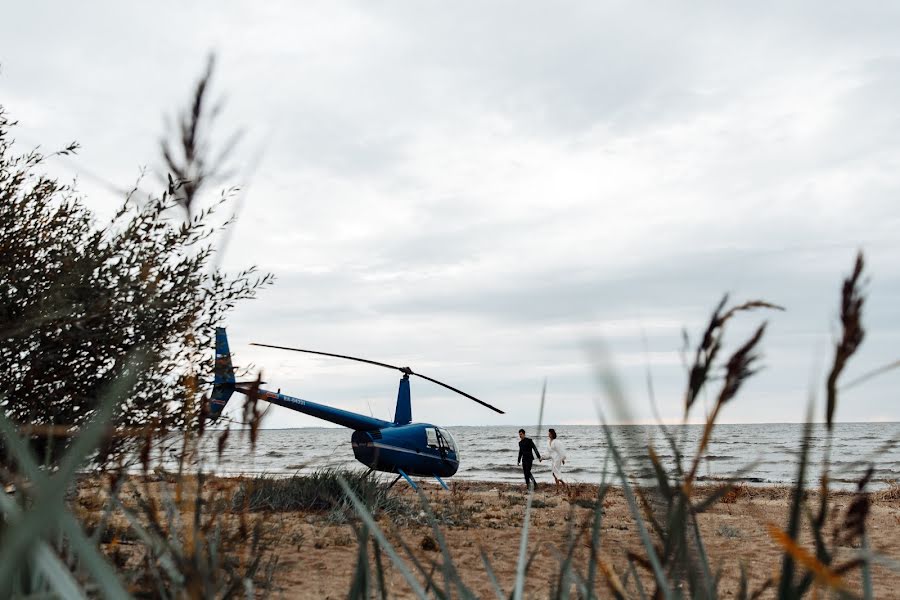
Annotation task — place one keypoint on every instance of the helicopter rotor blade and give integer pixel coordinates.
(363, 360)
(462, 393)
(405, 370)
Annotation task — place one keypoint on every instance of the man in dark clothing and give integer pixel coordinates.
(526, 447)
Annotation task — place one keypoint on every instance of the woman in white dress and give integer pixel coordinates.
(557, 460)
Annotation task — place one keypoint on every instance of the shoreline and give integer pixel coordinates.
(890, 492)
(762, 457)
(848, 486)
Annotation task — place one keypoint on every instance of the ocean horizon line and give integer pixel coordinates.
(690, 423)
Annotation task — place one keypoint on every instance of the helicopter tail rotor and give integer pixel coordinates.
(223, 376)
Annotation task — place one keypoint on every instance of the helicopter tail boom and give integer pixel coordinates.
(331, 414)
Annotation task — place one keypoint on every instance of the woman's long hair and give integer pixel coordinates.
(552, 433)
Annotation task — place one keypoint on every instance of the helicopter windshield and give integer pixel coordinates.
(447, 440)
(440, 438)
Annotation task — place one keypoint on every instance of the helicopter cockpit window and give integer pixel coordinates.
(447, 440)
(431, 437)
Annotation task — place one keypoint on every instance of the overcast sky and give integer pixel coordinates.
(489, 192)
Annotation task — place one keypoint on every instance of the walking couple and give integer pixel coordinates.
(557, 458)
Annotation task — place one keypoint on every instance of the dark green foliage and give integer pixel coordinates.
(318, 491)
(106, 333)
(77, 298)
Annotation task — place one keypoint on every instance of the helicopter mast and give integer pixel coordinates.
(403, 413)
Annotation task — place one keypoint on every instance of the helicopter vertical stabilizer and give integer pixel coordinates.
(223, 375)
(403, 413)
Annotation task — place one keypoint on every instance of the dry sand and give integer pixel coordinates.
(321, 565)
(317, 557)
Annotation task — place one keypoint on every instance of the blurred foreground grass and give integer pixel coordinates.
(115, 533)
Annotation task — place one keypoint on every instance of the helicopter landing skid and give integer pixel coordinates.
(406, 477)
(403, 474)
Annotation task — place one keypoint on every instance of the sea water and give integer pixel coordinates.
(765, 454)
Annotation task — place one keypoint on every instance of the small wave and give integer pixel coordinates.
(846, 480)
(496, 469)
(839, 463)
(721, 478)
(644, 457)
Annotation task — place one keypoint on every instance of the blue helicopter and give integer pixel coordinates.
(399, 446)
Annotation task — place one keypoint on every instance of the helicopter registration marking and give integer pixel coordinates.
(276, 396)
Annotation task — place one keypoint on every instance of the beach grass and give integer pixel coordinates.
(320, 491)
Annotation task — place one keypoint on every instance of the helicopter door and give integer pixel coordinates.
(431, 437)
(436, 440)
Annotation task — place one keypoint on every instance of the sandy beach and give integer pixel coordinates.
(317, 556)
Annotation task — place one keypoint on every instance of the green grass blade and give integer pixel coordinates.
(156, 544)
(710, 582)
(379, 571)
(409, 553)
(879, 559)
(637, 580)
(541, 409)
(95, 563)
(743, 588)
(447, 567)
(359, 584)
(868, 593)
(596, 533)
(47, 561)
(610, 383)
(367, 518)
(49, 507)
(581, 586)
(658, 572)
(786, 581)
(662, 478)
(523, 548)
(48, 513)
(492, 577)
(564, 577)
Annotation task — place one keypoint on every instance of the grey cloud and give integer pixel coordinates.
(759, 139)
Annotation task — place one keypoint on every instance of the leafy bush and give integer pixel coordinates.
(76, 300)
(105, 335)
